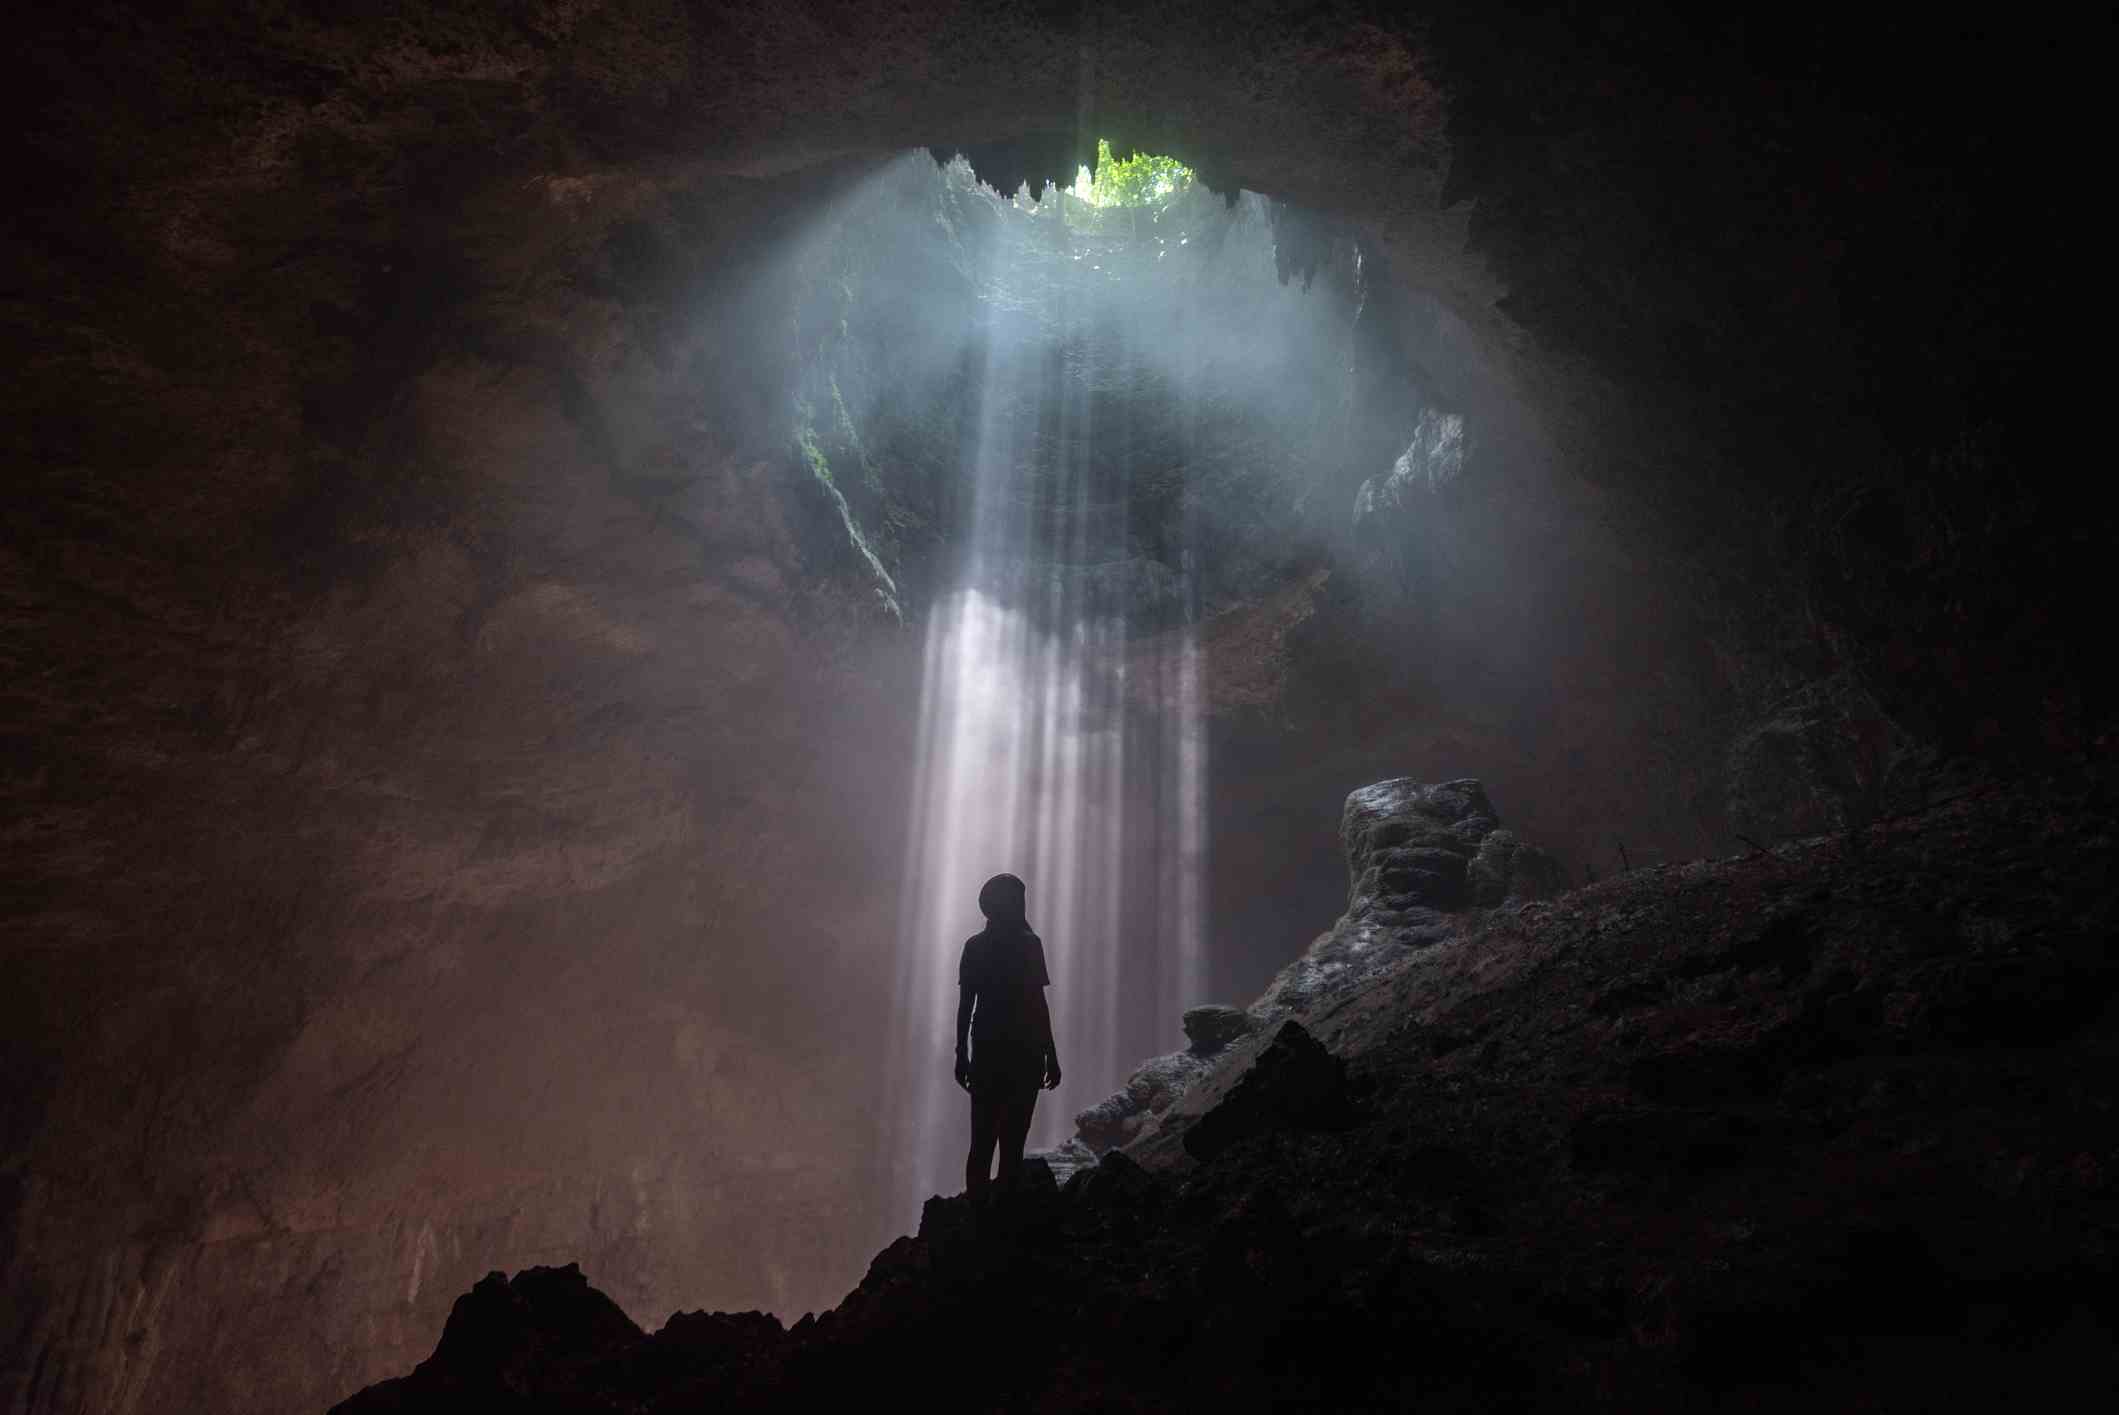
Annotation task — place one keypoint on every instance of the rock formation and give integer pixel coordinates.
(1291, 1084)
(1824, 1127)
(1418, 857)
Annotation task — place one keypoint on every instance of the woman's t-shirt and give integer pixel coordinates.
(1004, 967)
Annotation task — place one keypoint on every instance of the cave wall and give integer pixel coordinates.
(449, 770)
(411, 842)
(444, 837)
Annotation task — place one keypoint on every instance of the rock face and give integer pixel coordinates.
(1824, 1128)
(1293, 1084)
(1824, 758)
(1401, 518)
(515, 1337)
(1062, 1162)
(1212, 1027)
(1505, 868)
(1410, 850)
(1117, 1119)
(1418, 856)
(513, 1343)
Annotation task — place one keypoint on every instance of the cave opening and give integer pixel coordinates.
(1125, 393)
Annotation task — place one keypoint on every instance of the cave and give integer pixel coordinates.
(1518, 582)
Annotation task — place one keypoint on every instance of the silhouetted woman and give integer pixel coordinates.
(1001, 1009)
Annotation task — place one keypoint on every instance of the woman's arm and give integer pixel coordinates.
(1052, 1066)
(966, 998)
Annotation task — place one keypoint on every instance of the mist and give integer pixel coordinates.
(1150, 532)
(1119, 411)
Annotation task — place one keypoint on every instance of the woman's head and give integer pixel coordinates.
(1003, 899)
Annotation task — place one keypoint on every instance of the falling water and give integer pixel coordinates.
(1060, 740)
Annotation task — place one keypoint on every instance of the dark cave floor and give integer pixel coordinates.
(1827, 1127)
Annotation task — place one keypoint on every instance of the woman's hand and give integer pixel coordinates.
(963, 1070)
(1052, 1071)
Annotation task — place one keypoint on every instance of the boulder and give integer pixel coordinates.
(1128, 1114)
(1065, 1160)
(1505, 869)
(1409, 845)
(1295, 1084)
(1213, 1027)
(1039, 1179)
(1117, 1119)
(506, 1338)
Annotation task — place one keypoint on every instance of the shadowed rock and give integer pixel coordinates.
(1826, 757)
(1295, 1084)
(1780, 1193)
(1418, 855)
(506, 1339)
(1117, 1119)
(1121, 1118)
(1409, 846)
(1506, 868)
(1213, 1027)
(1065, 1160)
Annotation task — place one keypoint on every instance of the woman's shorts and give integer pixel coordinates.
(999, 1069)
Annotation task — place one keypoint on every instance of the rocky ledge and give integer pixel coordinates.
(1422, 860)
(1831, 1126)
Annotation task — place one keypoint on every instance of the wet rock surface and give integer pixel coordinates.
(1414, 849)
(1409, 846)
(1824, 1127)
(1418, 855)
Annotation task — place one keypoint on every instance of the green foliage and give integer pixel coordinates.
(806, 443)
(1140, 180)
(849, 436)
(832, 501)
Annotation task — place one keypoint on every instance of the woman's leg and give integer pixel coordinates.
(985, 1129)
(1017, 1109)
